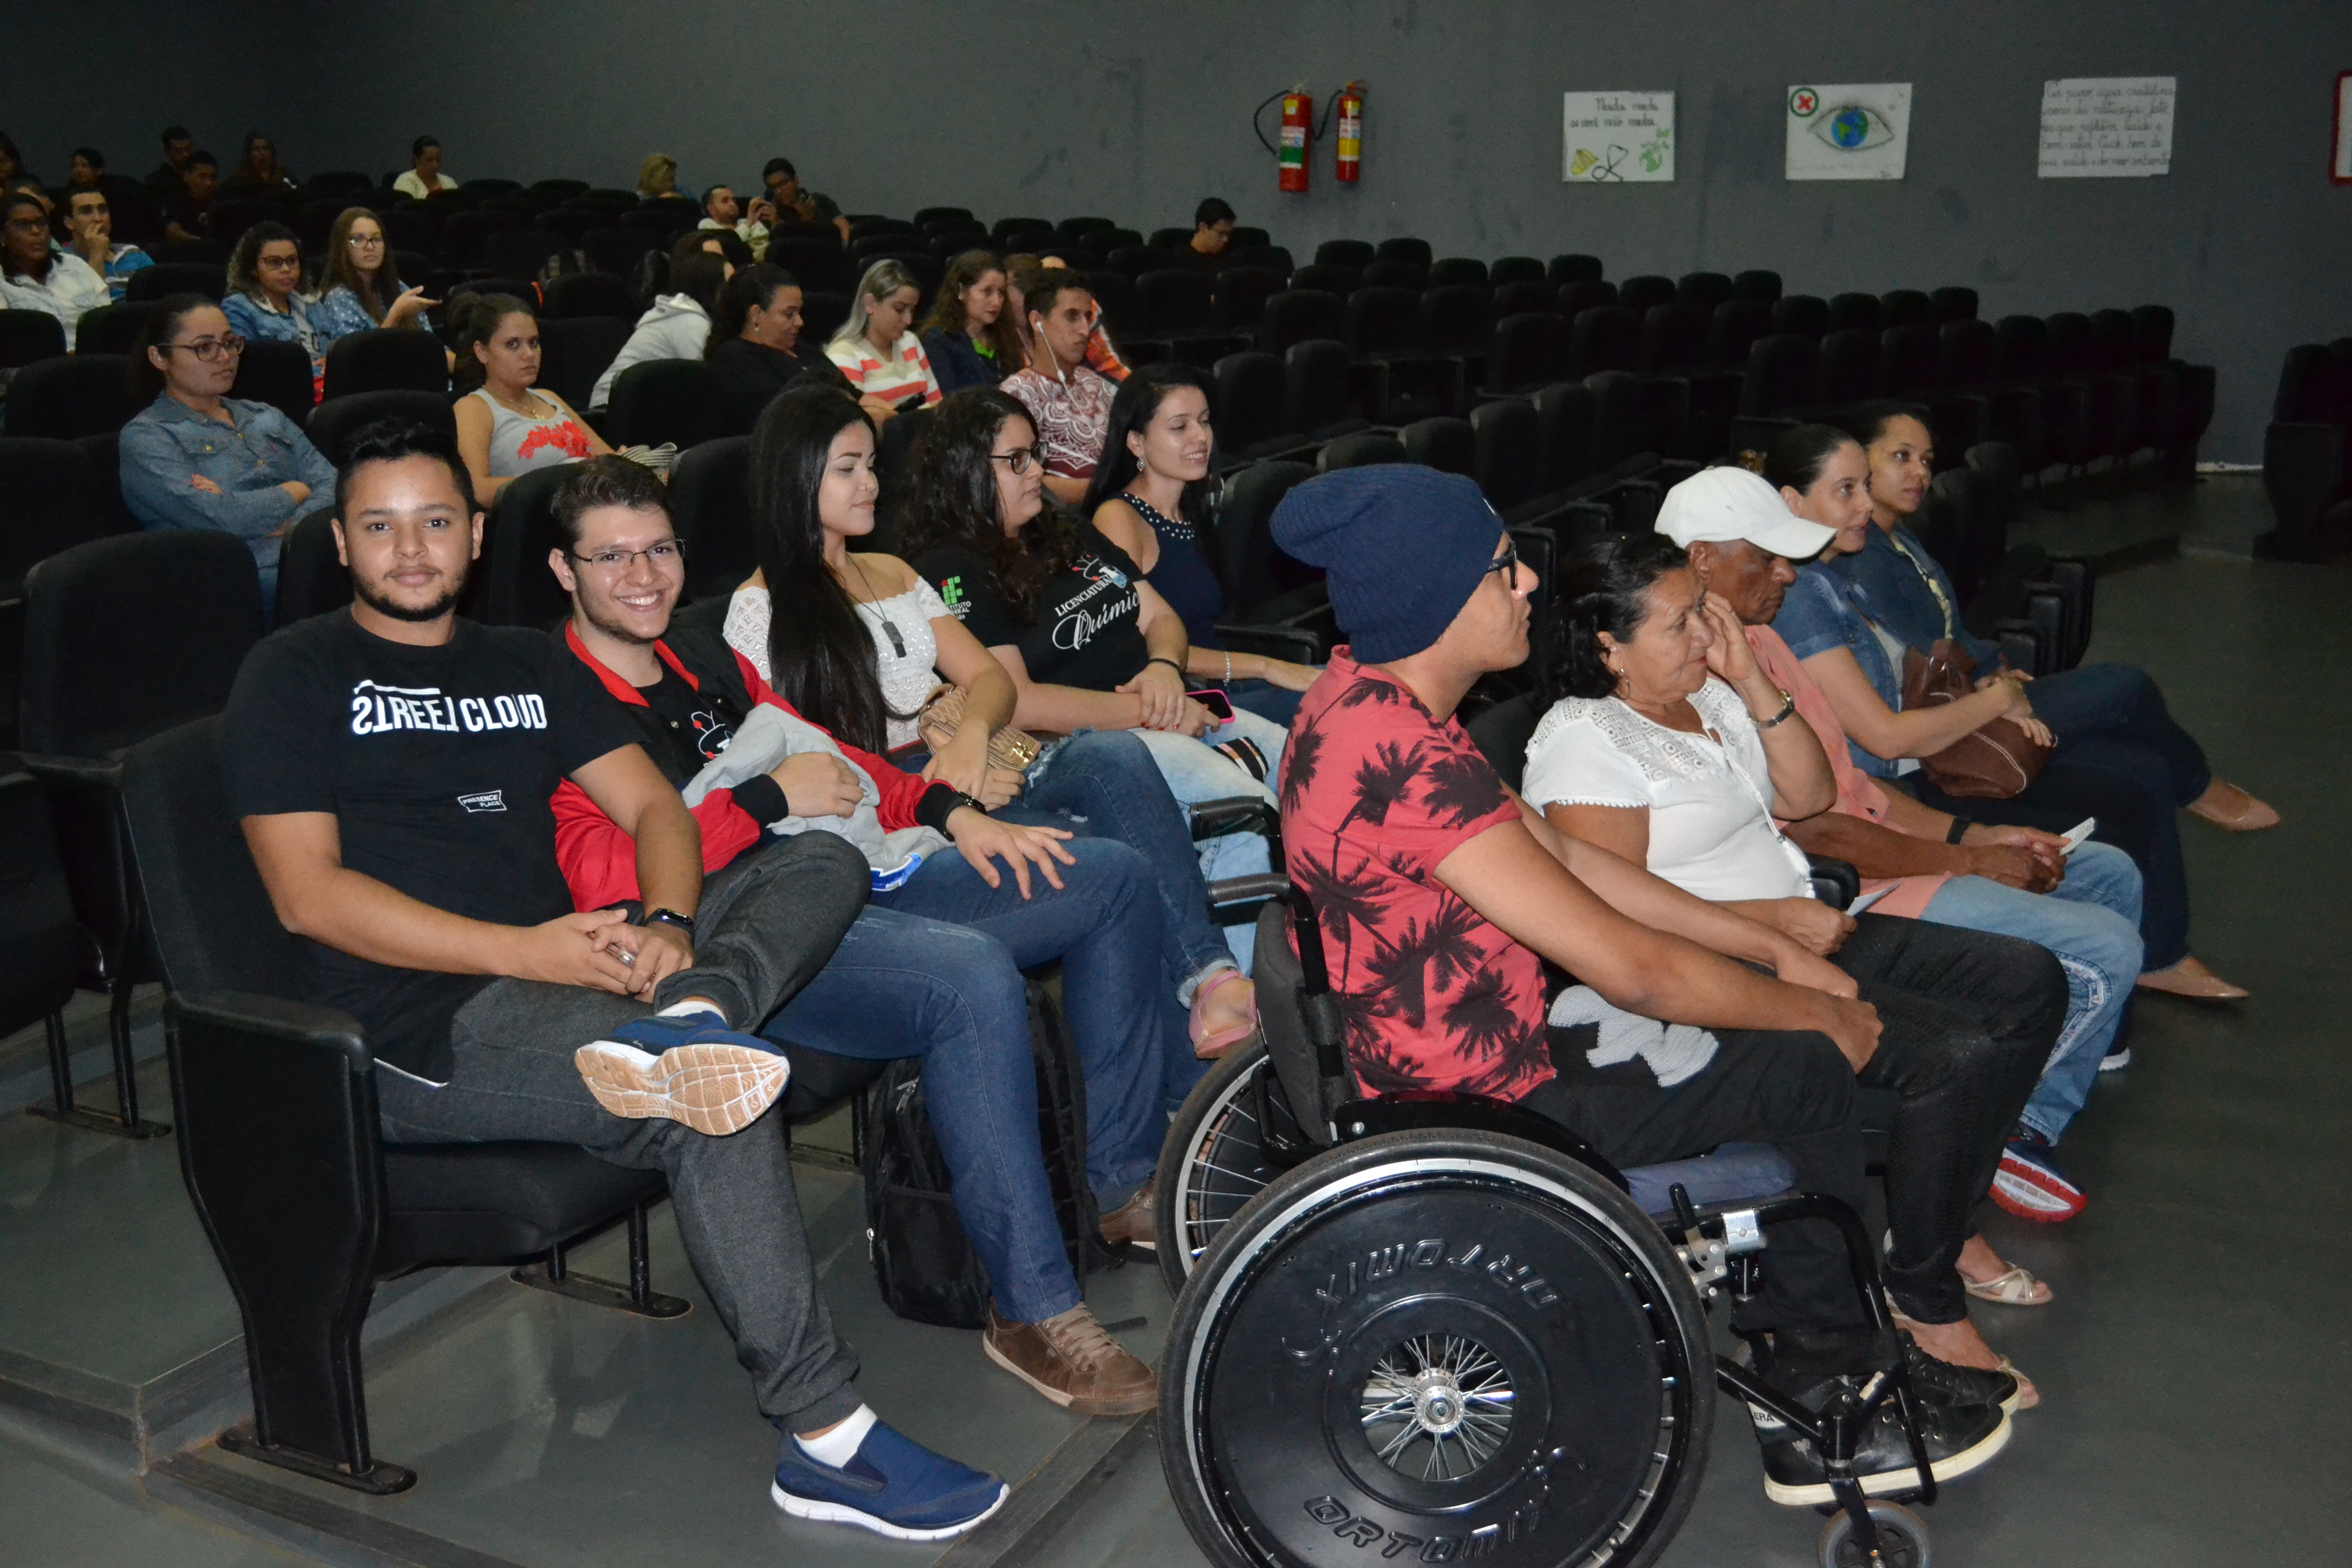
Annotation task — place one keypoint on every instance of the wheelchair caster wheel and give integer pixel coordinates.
(1902, 1539)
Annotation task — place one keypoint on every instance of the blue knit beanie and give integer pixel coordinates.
(1402, 548)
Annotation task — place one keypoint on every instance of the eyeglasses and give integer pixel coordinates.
(1018, 459)
(667, 554)
(1507, 563)
(357, 240)
(209, 350)
(277, 261)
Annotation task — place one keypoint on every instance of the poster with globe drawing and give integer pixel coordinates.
(1858, 132)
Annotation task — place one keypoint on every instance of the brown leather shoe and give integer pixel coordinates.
(1135, 1221)
(1072, 1360)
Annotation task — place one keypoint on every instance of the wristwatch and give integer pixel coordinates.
(669, 918)
(1788, 706)
(940, 802)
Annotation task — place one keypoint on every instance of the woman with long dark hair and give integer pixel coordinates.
(857, 642)
(505, 425)
(360, 286)
(264, 291)
(1150, 497)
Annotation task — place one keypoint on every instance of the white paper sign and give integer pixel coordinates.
(2106, 127)
(2342, 165)
(1612, 138)
(1855, 132)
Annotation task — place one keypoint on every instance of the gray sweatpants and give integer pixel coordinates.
(765, 927)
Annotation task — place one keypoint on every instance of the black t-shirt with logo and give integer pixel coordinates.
(437, 765)
(1089, 631)
(701, 724)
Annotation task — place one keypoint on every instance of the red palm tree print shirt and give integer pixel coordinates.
(1375, 793)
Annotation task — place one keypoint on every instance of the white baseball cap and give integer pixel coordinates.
(1729, 502)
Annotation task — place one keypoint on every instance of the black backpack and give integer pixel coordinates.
(925, 1268)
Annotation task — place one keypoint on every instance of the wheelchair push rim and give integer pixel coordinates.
(1434, 1347)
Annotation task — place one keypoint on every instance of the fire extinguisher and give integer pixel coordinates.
(1351, 134)
(1298, 129)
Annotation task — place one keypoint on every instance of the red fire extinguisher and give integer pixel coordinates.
(1298, 126)
(1351, 134)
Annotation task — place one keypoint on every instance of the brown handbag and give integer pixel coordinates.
(1992, 761)
(1009, 749)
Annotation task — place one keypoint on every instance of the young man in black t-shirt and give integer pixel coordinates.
(391, 767)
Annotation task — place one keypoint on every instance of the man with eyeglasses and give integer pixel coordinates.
(33, 276)
(90, 221)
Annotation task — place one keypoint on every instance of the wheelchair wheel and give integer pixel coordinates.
(1213, 1160)
(1435, 1346)
(1902, 1539)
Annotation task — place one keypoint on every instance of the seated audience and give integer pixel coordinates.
(361, 287)
(264, 291)
(87, 172)
(677, 325)
(755, 342)
(12, 165)
(89, 222)
(1832, 624)
(657, 177)
(1920, 863)
(812, 208)
(858, 644)
(1149, 498)
(932, 967)
(965, 337)
(720, 211)
(184, 211)
(1088, 644)
(1441, 895)
(876, 348)
(197, 457)
(1211, 247)
(169, 178)
(506, 427)
(496, 1011)
(259, 171)
(35, 276)
(424, 176)
(1023, 274)
(1067, 399)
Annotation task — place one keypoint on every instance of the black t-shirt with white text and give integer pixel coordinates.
(437, 765)
(1089, 631)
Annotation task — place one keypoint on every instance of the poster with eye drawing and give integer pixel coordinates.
(2106, 127)
(1617, 138)
(1858, 132)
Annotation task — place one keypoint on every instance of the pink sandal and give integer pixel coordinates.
(1209, 1044)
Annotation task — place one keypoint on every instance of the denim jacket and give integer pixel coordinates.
(1822, 611)
(1900, 599)
(168, 444)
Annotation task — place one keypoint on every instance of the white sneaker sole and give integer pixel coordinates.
(842, 1513)
(716, 1090)
(1949, 1467)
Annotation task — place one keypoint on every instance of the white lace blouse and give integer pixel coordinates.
(1709, 796)
(907, 676)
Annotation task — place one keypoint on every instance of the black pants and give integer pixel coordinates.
(1967, 1020)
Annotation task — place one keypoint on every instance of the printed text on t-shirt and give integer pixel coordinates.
(1078, 624)
(380, 710)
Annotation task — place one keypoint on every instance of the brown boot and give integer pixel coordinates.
(1135, 1221)
(1070, 1360)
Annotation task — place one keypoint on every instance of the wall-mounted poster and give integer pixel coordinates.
(1858, 132)
(2106, 127)
(2339, 168)
(1614, 138)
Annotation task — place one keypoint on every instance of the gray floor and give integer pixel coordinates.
(2193, 1368)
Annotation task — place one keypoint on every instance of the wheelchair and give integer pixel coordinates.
(1438, 1327)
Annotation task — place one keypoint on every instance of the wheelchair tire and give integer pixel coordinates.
(1902, 1539)
(1211, 1161)
(1436, 1346)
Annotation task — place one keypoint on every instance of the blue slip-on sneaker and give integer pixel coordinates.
(892, 1486)
(689, 1068)
(2030, 1185)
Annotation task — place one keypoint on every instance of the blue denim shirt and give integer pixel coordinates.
(168, 444)
(338, 314)
(1899, 597)
(1822, 611)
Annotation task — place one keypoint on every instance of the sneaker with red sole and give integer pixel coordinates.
(2030, 1185)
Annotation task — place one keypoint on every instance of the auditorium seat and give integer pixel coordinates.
(1574, 298)
(618, 251)
(1519, 299)
(1953, 302)
(1736, 325)
(1360, 450)
(26, 336)
(78, 395)
(168, 278)
(1801, 315)
(1529, 349)
(333, 424)
(520, 252)
(1853, 312)
(1607, 337)
(1562, 270)
(1295, 315)
(1704, 290)
(1450, 270)
(1241, 293)
(666, 400)
(1330, 276)
(1250, 402)
(1852, 370)
(1444, 443)
(1396, 273)
(112, 329)
(1509, 452)
(575, 294)
(1354, 254)
(709, 505)
(1758, 284)
(1637, 294)
(1318, 394)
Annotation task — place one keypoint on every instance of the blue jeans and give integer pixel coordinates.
(2113, 716)
(932, 969)
(2091, 922)
(1195, 773)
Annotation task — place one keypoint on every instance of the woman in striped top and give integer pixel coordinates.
(876, 350)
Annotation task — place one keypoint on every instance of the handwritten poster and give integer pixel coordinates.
(2340, 167)
(1855, 131)
(2106, 127)
(1617, 138)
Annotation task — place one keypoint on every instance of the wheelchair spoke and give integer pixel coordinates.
(1443, 1393)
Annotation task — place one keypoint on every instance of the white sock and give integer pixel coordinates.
(838, 1446)
(690, 1007)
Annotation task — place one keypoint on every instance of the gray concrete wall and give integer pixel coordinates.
(1059, 106)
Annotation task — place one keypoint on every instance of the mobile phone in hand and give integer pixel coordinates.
(1219, 705)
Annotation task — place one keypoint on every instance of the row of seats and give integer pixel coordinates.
(2307, 454)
